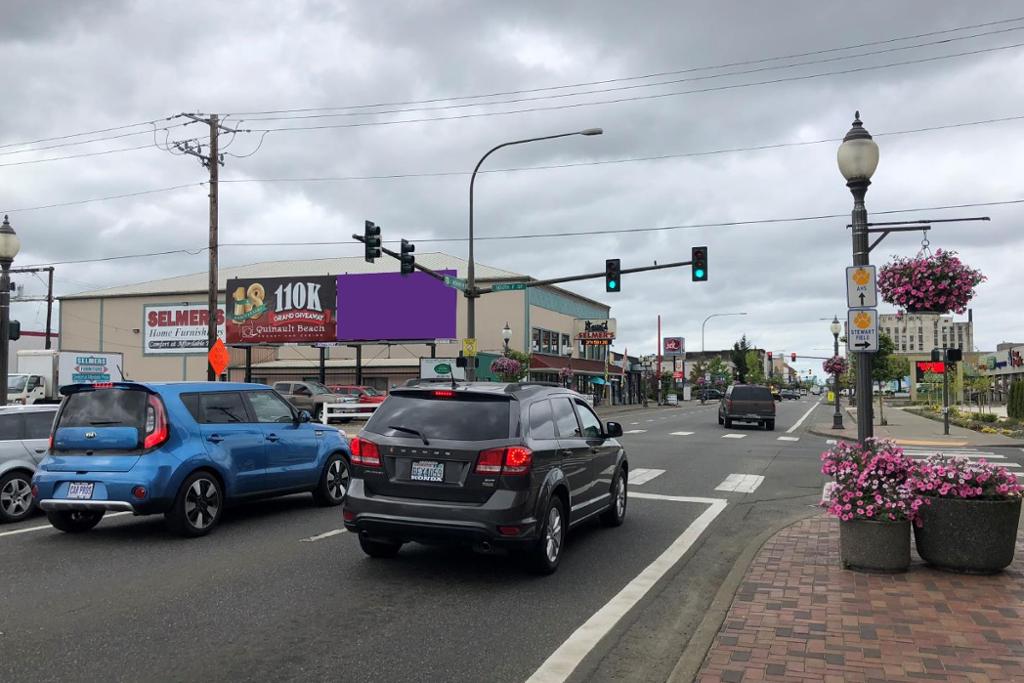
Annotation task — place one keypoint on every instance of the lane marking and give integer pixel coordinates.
(563, 661)
(741, 483)
(48, 526)
(682, 433)
(801, 420)
(734, 436)
(634, 423)
(642, 475)
(634, 431)
(788, 438)
(320, 537)
(831, 442)
(651, 420)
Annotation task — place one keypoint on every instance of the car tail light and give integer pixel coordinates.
(728, 405)
(511, 460)
(508, 530)
(103, 385)
(348, 515)
(364, 452)
(444, 393)
(157, 431)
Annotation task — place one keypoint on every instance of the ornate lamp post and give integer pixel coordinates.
(9, 247)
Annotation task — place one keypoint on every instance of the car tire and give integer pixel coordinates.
(318, 413)
(728, 423)
(15, 497)
(74, 521)
(615, 515)
(333, 484)
(197, 507)
(769, 425)
(379, 548)
(545, 554)
(720, 420)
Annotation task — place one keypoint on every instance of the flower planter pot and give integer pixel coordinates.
(874, 546)
(968, 536)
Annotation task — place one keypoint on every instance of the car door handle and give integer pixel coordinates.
(40, 450)
(215, 438)
(273, 437)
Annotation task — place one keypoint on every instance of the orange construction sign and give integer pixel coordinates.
(219, 357)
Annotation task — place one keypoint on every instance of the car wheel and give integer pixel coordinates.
(333, 483)
(318, 413)
(74, 521)
(728, 423)
(615, 515)
(197, 507)
(770, 425)
(546, 552)
(15, 497)
(379, 548)
(720, 420)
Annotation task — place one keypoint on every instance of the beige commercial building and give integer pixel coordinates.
(543, 320)
(915, 333)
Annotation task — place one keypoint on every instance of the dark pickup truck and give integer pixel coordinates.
(747, 403)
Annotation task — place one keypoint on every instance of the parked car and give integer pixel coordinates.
(24, 438)
(489, 464)
(790, 394)
(184, 450)
(747, 403)
(709, 394)
(362, 394)
(311, 396)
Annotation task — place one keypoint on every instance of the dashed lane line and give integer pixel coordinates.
(320, 537)
(734, 436)
(634, 431)
(788, 438)
(683, 433)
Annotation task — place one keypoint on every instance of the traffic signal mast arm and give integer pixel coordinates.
(394, 254)
(590, 276)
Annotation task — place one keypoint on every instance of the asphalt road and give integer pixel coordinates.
(279, 591)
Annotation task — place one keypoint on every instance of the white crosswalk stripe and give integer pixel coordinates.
(740, 483)
(788, 438)
(682, 433)
(734, 436)
(973, 456)
(642, 475)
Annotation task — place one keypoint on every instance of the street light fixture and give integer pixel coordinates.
(837, 417)
(704, 387)
(858, 158)
(9, 247)
(506, 336)
(471, 293)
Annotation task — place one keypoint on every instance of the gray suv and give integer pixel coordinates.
(492, 465)
(747, 403)
(24, 440)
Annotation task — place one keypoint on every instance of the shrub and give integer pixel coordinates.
(1015, 405)
(987, 417)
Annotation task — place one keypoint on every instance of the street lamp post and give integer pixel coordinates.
(704, 387)
(506, 336)
(9, 246)
(858, 158)
(836, 328)
(471, 293)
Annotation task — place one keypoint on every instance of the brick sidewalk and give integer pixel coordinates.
(799, 616)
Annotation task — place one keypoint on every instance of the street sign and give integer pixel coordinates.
(674, 346)
(677, 375)
(508, 286)
(469, 347)
(861, 291)
(862, 330)
(455, 282)
(218, 357)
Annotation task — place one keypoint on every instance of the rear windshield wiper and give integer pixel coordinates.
(98, 423)
(410, 430)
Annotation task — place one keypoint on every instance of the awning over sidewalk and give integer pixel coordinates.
(579, 366)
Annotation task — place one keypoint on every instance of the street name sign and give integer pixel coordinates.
(861, 291)
(508, 286)
(862, 330)
(456, 282)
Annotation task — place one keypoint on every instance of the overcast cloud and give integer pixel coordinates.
(76, 66)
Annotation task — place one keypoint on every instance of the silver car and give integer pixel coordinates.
(24, 440)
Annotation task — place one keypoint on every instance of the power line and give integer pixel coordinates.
(634, 86)
(637, 77)
(637, 98)
(87, 142)
(525, 236)
(79, 156)
(79, 202)
(151, 122)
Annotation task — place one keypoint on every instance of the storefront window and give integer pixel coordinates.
(566, 345)
(536, 340)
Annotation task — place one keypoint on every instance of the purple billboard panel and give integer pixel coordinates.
(394, 306)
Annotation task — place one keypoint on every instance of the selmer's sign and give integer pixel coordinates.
(177, 328)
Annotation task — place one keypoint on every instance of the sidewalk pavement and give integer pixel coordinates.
(798, 616)
(908, 429)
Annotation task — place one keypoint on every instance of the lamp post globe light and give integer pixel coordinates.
(857, 158)
(9, 247)
(506, 336)
(837, 417)
(471, 290)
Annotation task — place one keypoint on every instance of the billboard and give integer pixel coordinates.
(597, 332)
(74, 367)
(389, 306)
(674, 346)
(279, 310)
(172, 329)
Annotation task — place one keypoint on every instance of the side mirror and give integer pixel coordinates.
(304, 416)
(613, 430)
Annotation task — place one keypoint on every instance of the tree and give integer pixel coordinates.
(900, 369)
(739, 358)
(719, 370)
(755, 371)
(1015, 405)
(697, 372)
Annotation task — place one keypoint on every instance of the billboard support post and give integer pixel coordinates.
(322, 374)
(359, 365)
(248, 364)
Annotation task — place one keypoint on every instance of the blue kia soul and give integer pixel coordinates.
(184, 450)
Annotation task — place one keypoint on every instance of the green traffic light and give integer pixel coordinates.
(699, 273)
(613, 284)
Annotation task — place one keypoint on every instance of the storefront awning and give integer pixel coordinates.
(579, 366)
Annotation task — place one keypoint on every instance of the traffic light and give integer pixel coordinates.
(371, 241)
(408, 260)
(699, 262)
(14, 330)
(792, 358)
(612, 275)
(937, 355)
(954, 355)
(769, 356)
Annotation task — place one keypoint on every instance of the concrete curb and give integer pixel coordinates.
(688, 666)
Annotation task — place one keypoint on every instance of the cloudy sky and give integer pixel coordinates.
(697, 84)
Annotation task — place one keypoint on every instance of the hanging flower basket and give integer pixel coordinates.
(929, 283)
(566, 375)
(509, 369)
(836, 365)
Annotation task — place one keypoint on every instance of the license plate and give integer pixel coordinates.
(427, 470)
(80, 490)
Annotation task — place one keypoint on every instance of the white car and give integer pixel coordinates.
(24, 440)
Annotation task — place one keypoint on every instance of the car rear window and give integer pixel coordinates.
(468, 417)
(105, 408)
(751, 394)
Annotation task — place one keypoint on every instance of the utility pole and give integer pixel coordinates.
(49, 307)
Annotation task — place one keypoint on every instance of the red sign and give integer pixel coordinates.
(677, 375)
(930, 366)
(282, 310)
(219, 357)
